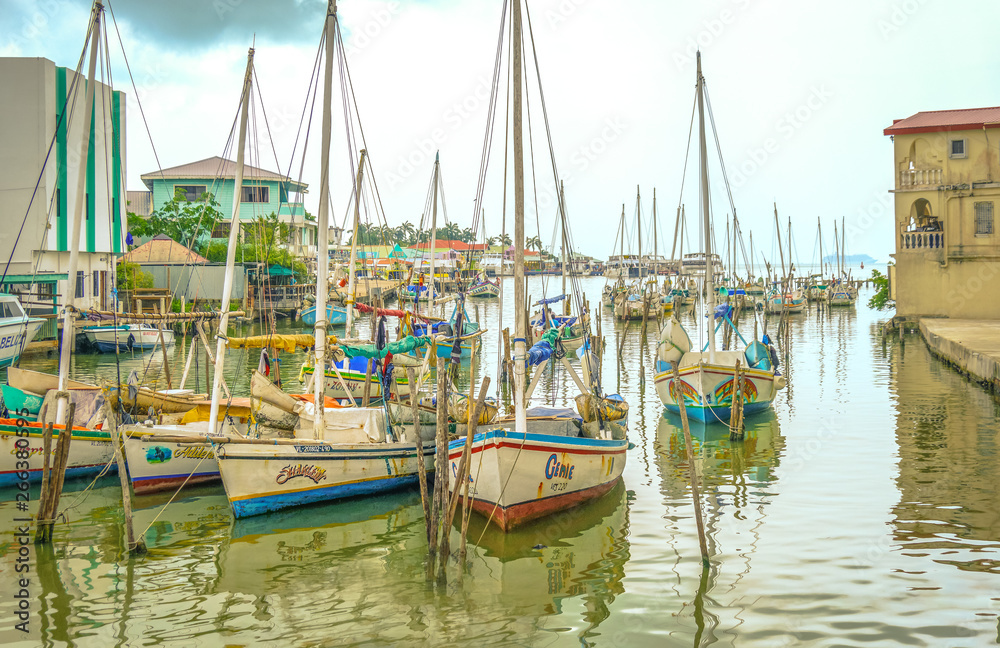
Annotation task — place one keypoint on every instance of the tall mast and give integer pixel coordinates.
(680, 248)
(819, 229)
(69, 296)
(655, 264)
(677, 226)
(322, 229)
(705, 214)
(791, 265)
(234, 230)
(621, 259)
(565, 252)
(520, 307)
(352, 263)
(781, 250)
(434, 220)
(843, 247)
(638, 228)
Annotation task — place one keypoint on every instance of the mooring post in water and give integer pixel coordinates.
(133, 546)
(441, 467)
(49, 505)
(465, 464)
(421, 458)
(692, 473)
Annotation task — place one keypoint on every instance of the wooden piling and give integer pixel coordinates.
(422, 461)
(692, 473)
(50, 505)
(133, 546)
(441, 468)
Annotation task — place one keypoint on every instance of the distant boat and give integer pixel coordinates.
(124, 337)
(334, 315)
(17, 330)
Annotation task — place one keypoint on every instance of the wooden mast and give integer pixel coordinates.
(69, 295)
(234, 230)
(352, 263)
(434, 216)
(705, 214)
(638, 229)
(520, 310)
(322, 228)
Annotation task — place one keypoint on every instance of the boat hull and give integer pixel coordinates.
(108, 339)
(517, 478)
(15, 337)
(260, 478)
(334, 315)
(155, 465)
(708, 391)
(89, 452)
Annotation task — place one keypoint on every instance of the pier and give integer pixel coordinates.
(971, 346)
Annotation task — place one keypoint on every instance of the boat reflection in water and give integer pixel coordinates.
(734, 477)
(535, 570)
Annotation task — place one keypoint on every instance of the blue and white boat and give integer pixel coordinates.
(334, 315)
(17, 330)
(126, 337)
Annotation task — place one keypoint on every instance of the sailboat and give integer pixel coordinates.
(352, 451)
(534, 465)
(841, 292)
(21, 441)
(708, 377)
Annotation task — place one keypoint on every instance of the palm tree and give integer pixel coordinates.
(506, 240)
(533, 243)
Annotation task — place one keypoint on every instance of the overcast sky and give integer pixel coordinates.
(800, 94)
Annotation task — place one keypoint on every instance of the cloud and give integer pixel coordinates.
(205, 24)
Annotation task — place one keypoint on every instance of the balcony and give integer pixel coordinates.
(919, 178)
(921, 242)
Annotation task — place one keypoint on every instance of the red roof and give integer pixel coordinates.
(933, 121)
(458, 246)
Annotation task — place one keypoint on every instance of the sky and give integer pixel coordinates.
(800, 93)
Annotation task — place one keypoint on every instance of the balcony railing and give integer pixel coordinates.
(912, 178)
(921, 241)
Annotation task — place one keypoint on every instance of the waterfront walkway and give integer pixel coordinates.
(972, 346)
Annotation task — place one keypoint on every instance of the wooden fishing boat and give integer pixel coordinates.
(335, 315)
(38, 382)
(21, 404)
(708, 380)
(485, 289)
(90, 451)
(540, 462)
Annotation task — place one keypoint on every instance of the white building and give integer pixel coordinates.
(41, 127)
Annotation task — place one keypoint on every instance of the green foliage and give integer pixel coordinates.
(130, 276)
(175, 306)
(880, 300)
(407, 234)
(181, 220)
(261, 239)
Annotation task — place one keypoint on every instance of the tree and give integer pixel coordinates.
(260, 243)
(533, 243)
(180, 219)
(129, 277)
(506, 240)
(880, 300)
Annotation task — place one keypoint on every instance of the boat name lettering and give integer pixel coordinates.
(12, 340)
(30, 450)
(290, 472)
(554, 468)
(193, 452)
(313, 448)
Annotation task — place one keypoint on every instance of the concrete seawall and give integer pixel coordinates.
(971, 346)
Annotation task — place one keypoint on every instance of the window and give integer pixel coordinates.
(984, 219)
(79, 283)
(958, 148)
(221, 230)
(255, 195)
(190, 193)
(97, 283)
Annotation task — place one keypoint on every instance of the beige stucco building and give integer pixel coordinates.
(947, 195)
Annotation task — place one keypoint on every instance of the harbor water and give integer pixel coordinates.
(862, 511)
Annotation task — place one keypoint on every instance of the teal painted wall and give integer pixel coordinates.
(163, 192)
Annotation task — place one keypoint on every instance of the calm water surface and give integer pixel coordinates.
(861, 512)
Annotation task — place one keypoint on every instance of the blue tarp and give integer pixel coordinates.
(542, 350)
(723, 310)
(550, 300)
